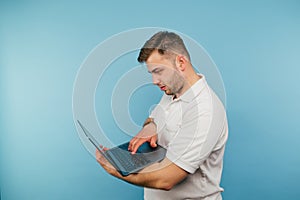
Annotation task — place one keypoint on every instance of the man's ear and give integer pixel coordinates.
(181, 62)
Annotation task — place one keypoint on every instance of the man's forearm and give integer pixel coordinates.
(148, 180)
(152, 177)
(163, 175)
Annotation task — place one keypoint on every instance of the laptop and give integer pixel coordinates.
(122, 159)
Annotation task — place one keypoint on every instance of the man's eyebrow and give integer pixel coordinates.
(155, 69)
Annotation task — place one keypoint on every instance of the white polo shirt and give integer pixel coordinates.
(193, 128)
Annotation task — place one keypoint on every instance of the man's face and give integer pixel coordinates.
(165, 73)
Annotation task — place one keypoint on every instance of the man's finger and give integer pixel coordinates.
(137, 145)
(103, 148)
(132, 143)
(153, 142)
(101, 159)
(98, 154)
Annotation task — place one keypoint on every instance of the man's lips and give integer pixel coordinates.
(163, 88)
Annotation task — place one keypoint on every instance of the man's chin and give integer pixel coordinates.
(169, 92)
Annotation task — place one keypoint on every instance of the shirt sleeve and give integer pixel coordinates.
(195, 139)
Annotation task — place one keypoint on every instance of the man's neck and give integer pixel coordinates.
(189, 83)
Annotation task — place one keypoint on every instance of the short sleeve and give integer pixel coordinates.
(186, 149)
(198, 136)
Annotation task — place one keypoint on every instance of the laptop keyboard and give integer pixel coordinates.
(129, 161)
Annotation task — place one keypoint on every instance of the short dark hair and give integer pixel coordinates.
(166, 43)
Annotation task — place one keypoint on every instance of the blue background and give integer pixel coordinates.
(255, 44)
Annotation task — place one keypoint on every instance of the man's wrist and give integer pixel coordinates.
(148, 121)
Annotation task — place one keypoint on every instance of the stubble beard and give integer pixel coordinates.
(176, 84)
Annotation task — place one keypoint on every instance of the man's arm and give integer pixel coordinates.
(163, 175)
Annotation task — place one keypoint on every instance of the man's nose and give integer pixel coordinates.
(155, 79)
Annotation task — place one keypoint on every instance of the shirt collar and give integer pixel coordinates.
(194, 90)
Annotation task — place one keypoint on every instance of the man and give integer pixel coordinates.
(190, 122)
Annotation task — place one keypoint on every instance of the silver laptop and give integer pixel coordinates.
(122, 159)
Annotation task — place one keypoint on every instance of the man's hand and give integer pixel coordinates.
(105, 164)
(147, 134)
